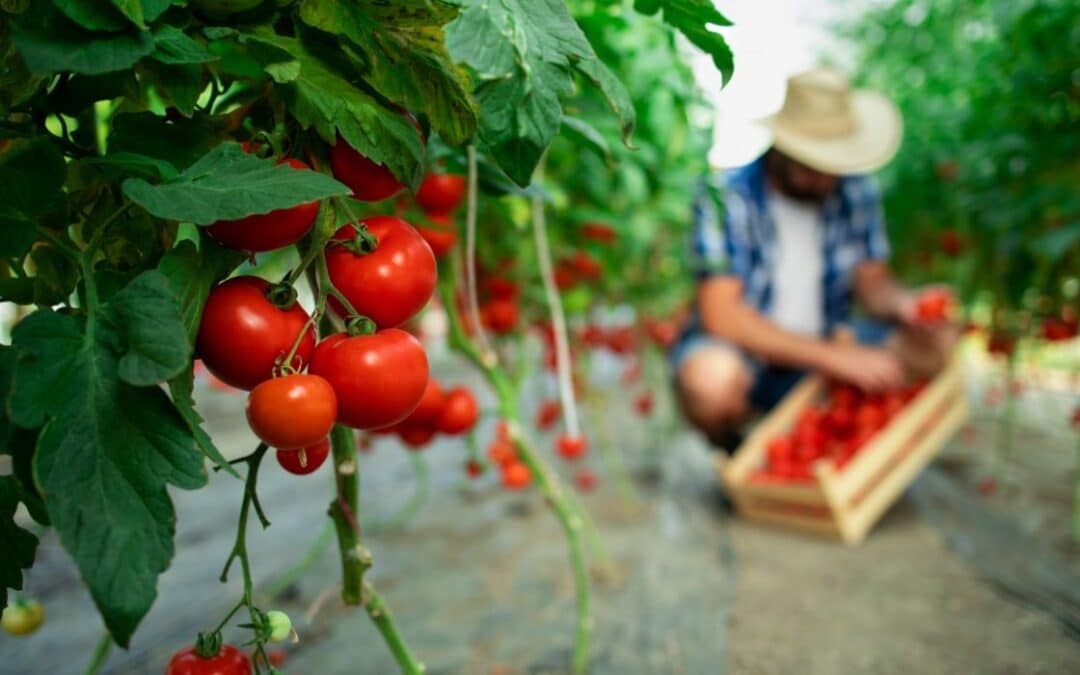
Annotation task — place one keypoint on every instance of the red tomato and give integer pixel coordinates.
(844, 396)
(548, 414)
(621, 340)
(389, 284)
(501, 315)
(501, 452)
(473, 468)
(841, 420)
(429, 409)
(1076, 418)
(1058, 330)
(441, 192)
(643, 404)
(242, 335)
(516, 475)
(370, 182)
(870, 417)
(293, 411)
(501, 288)
(598, 232)
(565, 278)
(415, 436)
(779, 450)
(379, 379)
(933, 305)
(1001, 344)
(571, 447)
(229, 661)
(268, 231)
(502, 430)
(459, 413)
(585, 266)
(305, 460)
(440, 239)
(951, 243)
(585, 480)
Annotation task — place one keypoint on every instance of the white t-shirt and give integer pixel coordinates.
(797, 302)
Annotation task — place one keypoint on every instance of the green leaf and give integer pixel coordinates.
(1056, 243)
(523, 53)
(226, 184)
(692, 18)
(52, 44)
(172, 45)
(180, 142)
(192, 272)
(92, 14)
(142, 11)
(321, 98)
(402, 48)
(117, 164)
(585, 134)
(32, 174)
(179, 85)
(147, 318)
(104, 457)
(181, 388)
(614, 92)
(18, 545)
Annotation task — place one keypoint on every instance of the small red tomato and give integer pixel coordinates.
(598, 232)
(571, 447)
(501, 288)
(932, 305)
(415, 437)
(384, 268)
(547, 414)
(585, 480)
(501, 315)
(293, 411)
(986, 486)
(1001, 344)
(585, 266)
(515, 475)
(429, 409)
(229, 661)
(844, 396)
(268, 231)
(305, 460)
(663, 333)
(501, 452)
(441, 192)
(951, 243)
(370, 182)
(378, 378)
(870, 417)
(565, 278)
(779, 450)
(243, 335)
(643, 404)
(502, 430)
(459, 413)
(473, 468)
(621, 340)
(441, 239)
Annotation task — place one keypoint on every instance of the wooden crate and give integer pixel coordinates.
(846, 503)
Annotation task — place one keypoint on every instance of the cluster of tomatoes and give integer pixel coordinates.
(514, 473)
(255, 336)
(835, 431)
(452, 411)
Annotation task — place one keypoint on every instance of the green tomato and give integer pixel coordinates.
(280, 625)
(225, 7)
(23, 617)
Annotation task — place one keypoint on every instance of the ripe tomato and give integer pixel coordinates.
(501, 288)
(933, 305)
(598, 232)
(268, 231)
(1001, 343)
(585, 266)
(473, 468)
(22, 617)
(501, 452)
(229, 661)
(870, 417)
(392, 282)
(621, 340)
(441, 192)
(294, 411)
(440, 239)
(844, 396)
(547, 414)
(242, 334)
(460, 412)
(501, 315)
(571, 447)
(1058, 330)
(951, 243)
(379, 378)
(663, 333)
(565, 278)
(370, 182)
(415, 436)
(304, 460)
(585, 480)
(515, 475)
(643, 404)
(429, 409)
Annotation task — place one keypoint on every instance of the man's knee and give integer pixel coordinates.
(713, 386)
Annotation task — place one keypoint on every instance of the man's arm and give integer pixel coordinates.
(724, 314)
(879, 294)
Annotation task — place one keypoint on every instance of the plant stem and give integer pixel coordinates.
(470, 260)
(344, 509)
(384, 621)
(101, 652)
(552, 489)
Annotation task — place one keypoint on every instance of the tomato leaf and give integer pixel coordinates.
(585, 134)
(31, 177)
(321, 98)
(92, 14)
(192, 272)
(173, 46)
(401, 46)
(18, 545)
(141, 11)
(147, 316)
(108, 448)
(50, 43)
(181, 387)
(228, 183)
(523, 53)
(693, 18)
(180, 142)
(117, 164)
(179, 84)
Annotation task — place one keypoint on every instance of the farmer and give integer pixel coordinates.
(784, 250)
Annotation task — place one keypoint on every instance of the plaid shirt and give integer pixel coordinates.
(734, 234)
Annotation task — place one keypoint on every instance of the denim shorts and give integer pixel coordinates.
(771, 382)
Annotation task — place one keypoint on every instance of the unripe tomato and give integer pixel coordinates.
(429, 409)
(280, 625)
(229, 661)
(515, 475)
(242, 334)
(294, 411)
(392, 282)
(441, 192)
(268, 231)
(305, 460)
(370, 182)
(23, 617)
(460, 412)
(379, 378)
(415, 437)
(441, 239)
(571, 447)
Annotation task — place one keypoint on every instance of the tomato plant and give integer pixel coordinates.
(227, 661)
(293, 411)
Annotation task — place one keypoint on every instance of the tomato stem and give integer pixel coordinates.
(101, 652)
(470, 261)
(384, 621)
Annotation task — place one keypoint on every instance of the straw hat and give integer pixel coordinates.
(832, 128)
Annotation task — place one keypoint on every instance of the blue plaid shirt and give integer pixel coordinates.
(734, 234)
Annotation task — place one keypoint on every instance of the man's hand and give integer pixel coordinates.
(868, 368)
